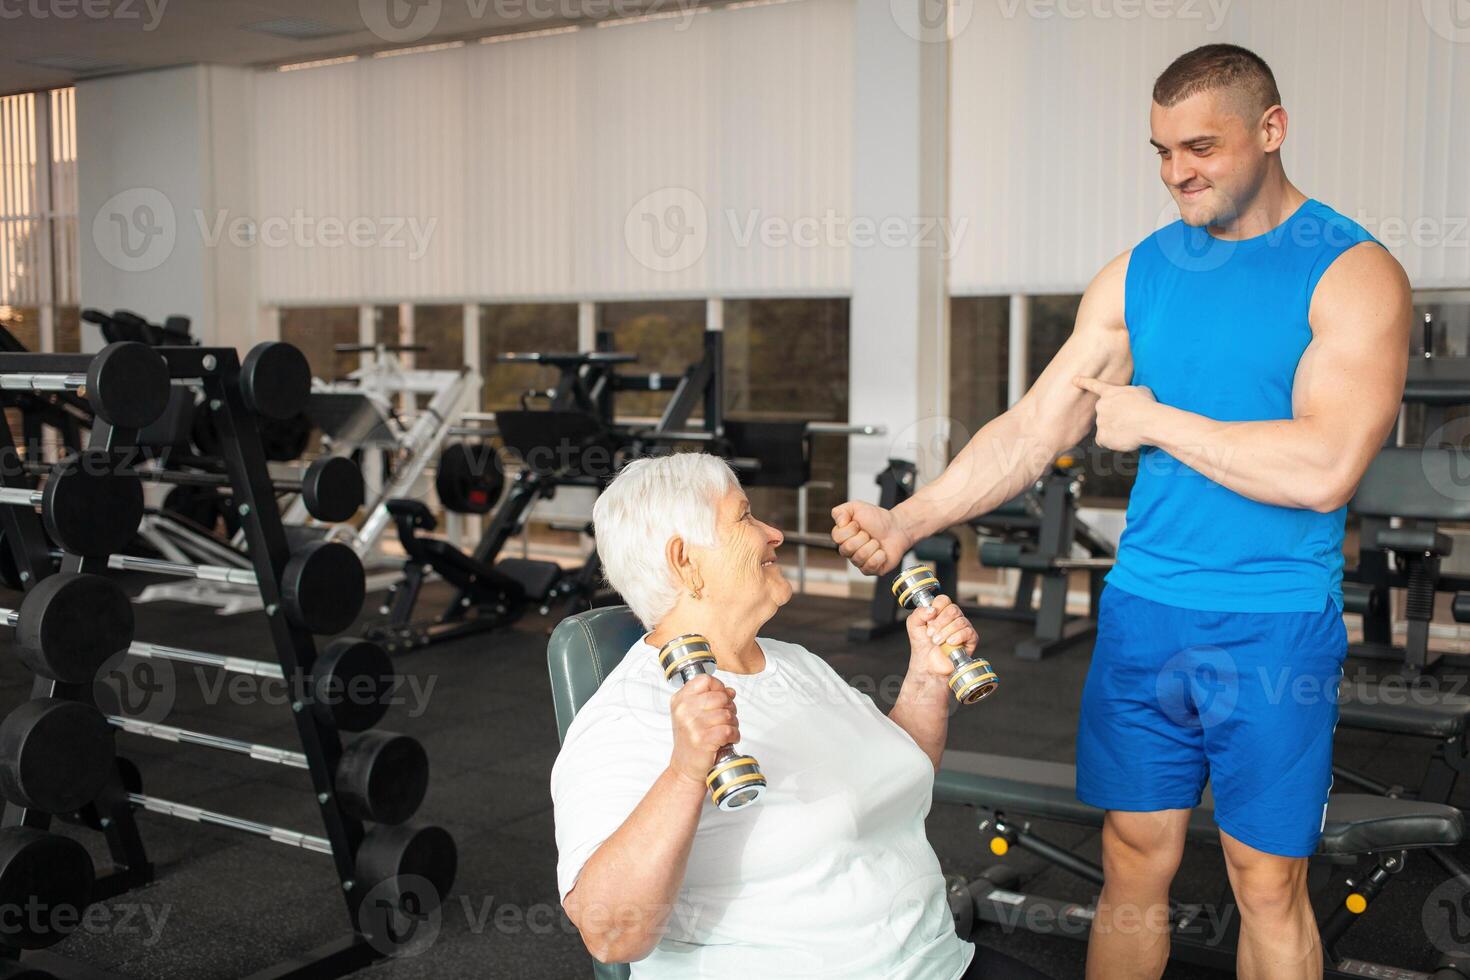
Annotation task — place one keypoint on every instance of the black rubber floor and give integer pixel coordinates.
(226, 904)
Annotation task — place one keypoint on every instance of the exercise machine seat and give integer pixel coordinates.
(583, 650)
(1403, 711)
(1404, 482)
(1356, 824)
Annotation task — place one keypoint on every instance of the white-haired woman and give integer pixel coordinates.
(830, 874)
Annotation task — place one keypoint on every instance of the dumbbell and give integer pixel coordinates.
(42, 870)
(331, 488)
(735, 780)
(126, 383)
(70, 624)
(87, 505)
(392, 860)
(972, 679)
(322, 588)
(381, 777)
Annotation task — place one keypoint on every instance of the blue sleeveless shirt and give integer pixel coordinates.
(1217, 328)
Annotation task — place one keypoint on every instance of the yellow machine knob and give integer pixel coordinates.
(1356, 904)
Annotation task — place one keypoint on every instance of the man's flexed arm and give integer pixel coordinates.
(1011, 451)
(1345, 397)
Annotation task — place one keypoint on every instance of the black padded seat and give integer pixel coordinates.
(1355, 824)
(1403, 710)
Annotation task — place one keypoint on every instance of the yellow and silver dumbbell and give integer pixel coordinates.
(735, 780)
(973, 678)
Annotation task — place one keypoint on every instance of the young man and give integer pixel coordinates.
(1254, 353)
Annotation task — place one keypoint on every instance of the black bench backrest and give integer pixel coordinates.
(1428, 483)
(783, 449)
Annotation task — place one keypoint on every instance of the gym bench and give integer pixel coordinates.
(1004, 787)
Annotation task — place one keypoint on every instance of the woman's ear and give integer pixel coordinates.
(677, 556)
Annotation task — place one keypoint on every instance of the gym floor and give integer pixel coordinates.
(226, 904)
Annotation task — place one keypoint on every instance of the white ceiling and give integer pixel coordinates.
(115, 36)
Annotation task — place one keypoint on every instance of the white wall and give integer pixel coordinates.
(1049, 156)
(163, 157)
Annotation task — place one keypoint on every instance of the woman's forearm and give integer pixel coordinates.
(626, 890)
(922, 710)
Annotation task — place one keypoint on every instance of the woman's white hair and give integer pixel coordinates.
(650, 501)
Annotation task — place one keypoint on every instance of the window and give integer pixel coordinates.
(788, 359)
(441, 330)
(979, 359)
(319, 329)
(521, 328)
(668, 337)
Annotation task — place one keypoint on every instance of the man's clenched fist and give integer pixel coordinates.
(869, 536)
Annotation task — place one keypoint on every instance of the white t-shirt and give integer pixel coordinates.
(828, 875)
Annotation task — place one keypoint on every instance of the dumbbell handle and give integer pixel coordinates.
(43, 382)
(20, 498)
(200, 815)
(205, 573)
(954, 651)
(235, 665)
(168, 733)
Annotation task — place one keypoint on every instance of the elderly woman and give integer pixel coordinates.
(829, 874)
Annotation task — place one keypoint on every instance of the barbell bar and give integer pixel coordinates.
(126, 383)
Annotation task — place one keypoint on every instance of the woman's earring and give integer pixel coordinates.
(694, 594)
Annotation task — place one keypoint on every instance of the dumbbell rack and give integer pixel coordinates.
(219, 372)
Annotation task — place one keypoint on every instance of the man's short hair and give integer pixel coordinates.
(1220, 66)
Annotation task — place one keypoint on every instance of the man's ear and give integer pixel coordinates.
(1273, 128)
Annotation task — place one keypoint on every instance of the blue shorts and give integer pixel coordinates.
(1247, 702)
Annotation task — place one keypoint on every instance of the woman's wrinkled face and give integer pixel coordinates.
(744, 564)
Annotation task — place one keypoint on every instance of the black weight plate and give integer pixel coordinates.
(382, 777)
(323, 587)
(469, 478)
(351, 682)
(71, 624)
(132, 782)
(276, 380)
(199, 505)
(55, 755)
(88, 507)
(283, 440)
(41, 870)
(9, 570)
(332, 488)
(396, 860)
(128, 384)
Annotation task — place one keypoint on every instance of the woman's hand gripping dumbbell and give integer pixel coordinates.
(705, 726)
(917, 587)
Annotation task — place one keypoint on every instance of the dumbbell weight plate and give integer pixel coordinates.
(42, 870)
(408, 864)
(130, 781)
(382, 777)
(128, 384)
(88, 507)
(55, 755)
(351, 681)
(71, 624)
(276, 380)
(323, 587)
(332, 488)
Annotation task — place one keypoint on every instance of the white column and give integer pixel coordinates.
(900, 309)
(586, 326)
(1019, 345)
(165, 189)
